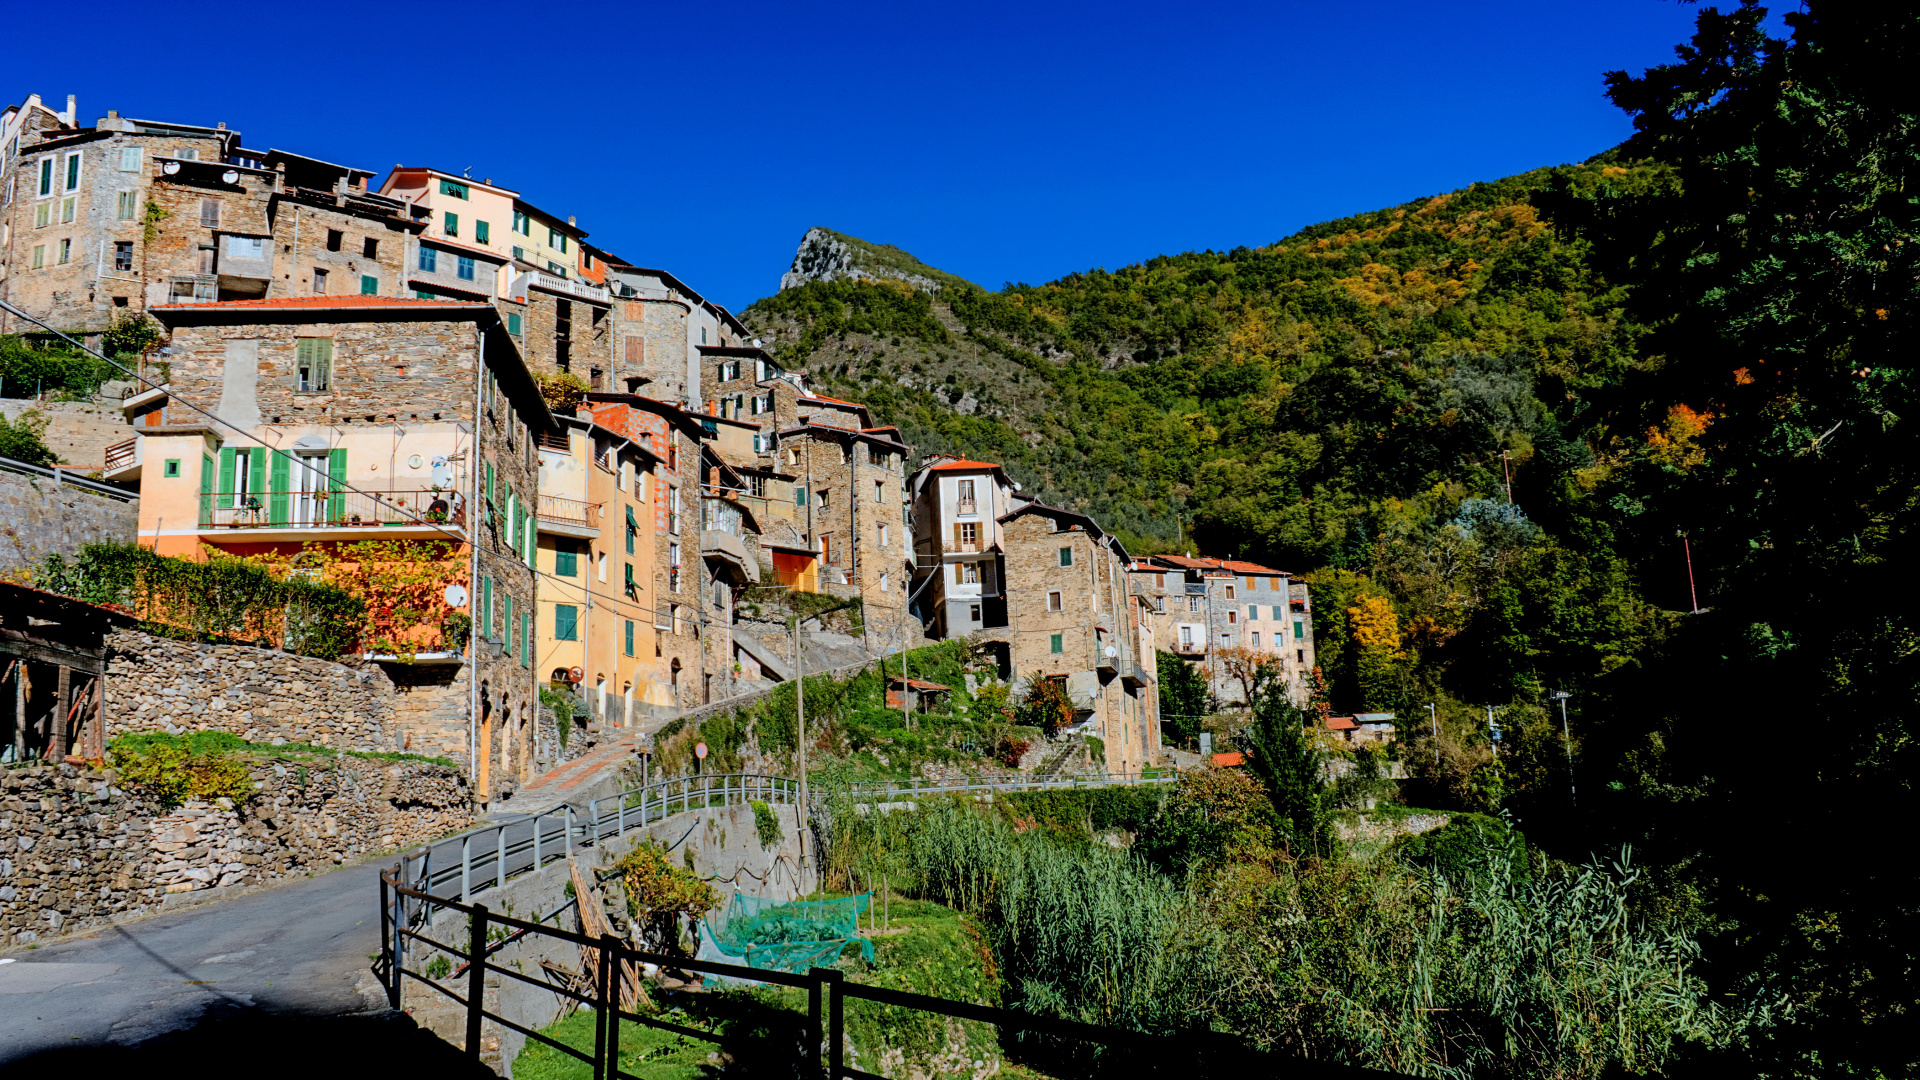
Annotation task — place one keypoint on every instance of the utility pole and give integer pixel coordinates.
(1567, 734)
(1433, 715)
(800, 741)
(1692, 593)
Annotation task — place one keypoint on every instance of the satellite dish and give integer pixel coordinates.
(231, 176)
(439, 462)
(456, 596)
(1112, 652)
(170, 168)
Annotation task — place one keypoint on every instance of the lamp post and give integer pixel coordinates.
(1566, 733)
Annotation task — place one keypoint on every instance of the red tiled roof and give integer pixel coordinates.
(1234, 566)
(1341, 723)
(917, 684)
(323, 303)
(965, 465)
(1229, 760)
(835, 400)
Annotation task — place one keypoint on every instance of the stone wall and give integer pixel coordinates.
(78, 431)
(76, 850)
(261, 695)
(38, 517)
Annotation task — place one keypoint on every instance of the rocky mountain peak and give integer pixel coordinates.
(826, 255)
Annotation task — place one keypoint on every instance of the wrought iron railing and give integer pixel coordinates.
(576, 512)
(323, 509)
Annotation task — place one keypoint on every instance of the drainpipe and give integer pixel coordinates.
(473, 563)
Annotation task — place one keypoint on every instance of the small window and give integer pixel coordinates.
(520, 253)
(43, 215)
(629, 637)
(210, 213)
(129, 159)
(513, 323)
(464, 267)
(556, 269)
(523, 225)
(67, 208)
(566, 563)
(369, 285)
(39, 256)
(1299, 629)
(566, 622)
(1229, 592)
(1159, 581)
(46, 176)
(1057, 644)
(313, 363)
(172, 468)
(319, 282)
(1233, 615)
(126, 205)
(187, 153)
(453, 188)
(481, 232)
(73, 171)
(429, 259)
(1256, 639)
(799, 493)
(1066, 556)
(1053, 601)
(557, 240)
(370, 248)
(1193, 603)
(973, 612)
(334, 239)
(1253, 613)
(450, 224)
(883, 534)
(66, 250)
(123, 254)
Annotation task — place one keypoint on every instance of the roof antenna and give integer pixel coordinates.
(467, 172)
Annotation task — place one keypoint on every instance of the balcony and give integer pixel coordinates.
(554, 283)
(123, 460)
(290, 515)
(1193, 647)
(966, 506)
(570, 517)
(957, 547)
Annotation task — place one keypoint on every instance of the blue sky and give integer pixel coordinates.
(999, 141)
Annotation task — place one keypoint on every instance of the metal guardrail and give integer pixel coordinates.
(321, 509)
(610, 969)
(488, 856)
(98, 487)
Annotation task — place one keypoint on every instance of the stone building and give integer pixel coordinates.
(1199, 605)
(1047, 586)
(852, 510)
(659, 325)
(137, 214)
(343, 419)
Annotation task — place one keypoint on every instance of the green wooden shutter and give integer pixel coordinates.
(337, 484)
(206, 489)
(278, 505)
(506, 622)
(226, 478)
(486, 607)
(489, 485)
(629, 637)
(323, 356)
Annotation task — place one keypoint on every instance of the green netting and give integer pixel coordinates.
(789, 935)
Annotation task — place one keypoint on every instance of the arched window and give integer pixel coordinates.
(673, 672)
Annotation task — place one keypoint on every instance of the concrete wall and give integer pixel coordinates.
(38, 517)
(724, 845)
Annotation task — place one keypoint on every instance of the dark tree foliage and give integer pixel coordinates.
(1781, 264)
(1289, 766)
(1184, 700)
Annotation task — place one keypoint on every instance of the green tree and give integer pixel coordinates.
(1184, 699)
(22, 439)
(1289, 765)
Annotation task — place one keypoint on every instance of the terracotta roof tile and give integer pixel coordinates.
(964, 465)
(323, 303)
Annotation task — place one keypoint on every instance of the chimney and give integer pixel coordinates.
(569, 219)
(73, 105)
(221, 126)
(488, 181)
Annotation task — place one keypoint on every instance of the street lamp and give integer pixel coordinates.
(1561, 696)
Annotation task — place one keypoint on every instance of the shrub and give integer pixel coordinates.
(175, 769)
(1045, 705)
(659, 893)
(23, 439)
(766, 823)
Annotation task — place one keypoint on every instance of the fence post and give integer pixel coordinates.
(814, 1031)
(593, 811)
(386, 942)
(536, 840)
(606, 1048)
(620, 817)
(566, 830)
(466, 868)
(500, 856)
(836, 1024)
(476, 977)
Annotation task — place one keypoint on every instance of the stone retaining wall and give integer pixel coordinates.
(38, 517)
(261, 695)
(76, 850)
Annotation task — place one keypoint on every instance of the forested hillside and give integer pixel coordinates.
(1705, 333)
(1349, 400)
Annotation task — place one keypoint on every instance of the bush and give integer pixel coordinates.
(23, 439)
(766, 823)
(660, 893)
(175, 769)
(56, 372)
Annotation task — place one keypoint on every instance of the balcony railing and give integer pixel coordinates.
(966, 506)
(952, 547)
(122, 454)
(323, 510)
(558, 511)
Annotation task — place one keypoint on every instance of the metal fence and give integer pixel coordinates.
(886, 791)
(608, 972)
(487, 857)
